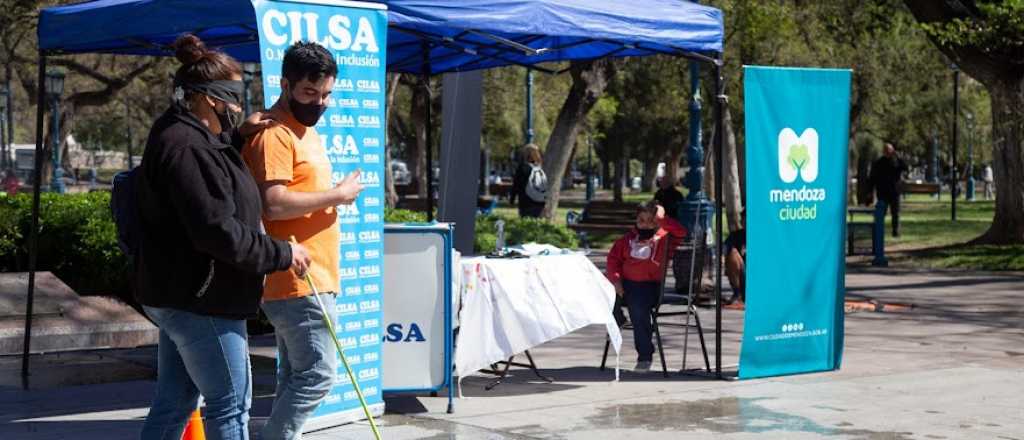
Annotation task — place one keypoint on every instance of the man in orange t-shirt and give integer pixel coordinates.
(292, 168)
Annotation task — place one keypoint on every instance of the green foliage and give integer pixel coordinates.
(520, 231)
(994, 27)
(392, 215)
(517, 230)
(77, 241)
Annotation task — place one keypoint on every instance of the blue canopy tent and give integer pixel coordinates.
(424, 37)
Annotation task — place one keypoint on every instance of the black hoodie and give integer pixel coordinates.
(202, 249)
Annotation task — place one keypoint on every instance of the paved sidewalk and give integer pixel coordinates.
(950, 368)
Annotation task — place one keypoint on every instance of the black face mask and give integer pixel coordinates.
(306, 114)
(229, 120)
(645, 234)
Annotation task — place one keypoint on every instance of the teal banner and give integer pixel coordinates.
(797, 130)
(352, 132)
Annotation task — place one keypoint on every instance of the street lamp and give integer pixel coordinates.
(970, 156)
(248, 71)
(4, 154)
(955, 181)
(55, 88)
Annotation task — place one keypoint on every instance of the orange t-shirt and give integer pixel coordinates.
(292, 153)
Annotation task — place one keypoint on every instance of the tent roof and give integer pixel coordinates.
(462, 34)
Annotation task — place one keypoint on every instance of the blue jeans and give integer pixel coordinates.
(200, 355)
(640, 299)
(307, 362)
(878, 234)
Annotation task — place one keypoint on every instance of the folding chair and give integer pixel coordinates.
(657, 313)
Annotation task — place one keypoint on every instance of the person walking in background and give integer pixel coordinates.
(988, 178)
(669, 197)
(886, 178)
(530, 183)
(291, 166)
(201, 257)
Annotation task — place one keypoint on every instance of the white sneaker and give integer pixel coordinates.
(642, 367)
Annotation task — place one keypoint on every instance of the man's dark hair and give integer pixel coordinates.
(307, 60)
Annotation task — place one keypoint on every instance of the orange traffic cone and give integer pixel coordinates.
(194, 428)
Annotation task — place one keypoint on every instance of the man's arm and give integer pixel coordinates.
(280, 203)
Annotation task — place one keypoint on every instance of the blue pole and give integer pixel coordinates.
(57, 183)
(529, 105)
(590, 170)
(696, 200)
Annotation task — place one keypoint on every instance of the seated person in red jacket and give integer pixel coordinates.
(635, 266)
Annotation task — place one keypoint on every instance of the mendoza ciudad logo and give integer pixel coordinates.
(798, 160)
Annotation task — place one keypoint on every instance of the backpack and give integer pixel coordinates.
(537, 184)
(124, 207)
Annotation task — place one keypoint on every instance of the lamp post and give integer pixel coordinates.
(248, 72)
(954, 178)
(5, 155)
(970, 156)
(696, 204)
(529, 105)
(55, 88)
(590, 170)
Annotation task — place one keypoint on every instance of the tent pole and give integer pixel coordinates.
(429, 133)
(33, 248)
(719, 187)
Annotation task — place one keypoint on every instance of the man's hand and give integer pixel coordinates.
(661, 213)
(618, 288)
(255, 123)
(348, 189)
(300, 259)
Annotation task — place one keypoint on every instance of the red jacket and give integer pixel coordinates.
(639, 261)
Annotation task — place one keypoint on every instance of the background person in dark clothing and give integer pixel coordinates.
(201, 258)
(886, 175)
(531, 200)
(669, 197)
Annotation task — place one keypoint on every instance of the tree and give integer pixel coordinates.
(986, 40)
(589, 80)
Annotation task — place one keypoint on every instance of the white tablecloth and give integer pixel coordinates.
(511, 305)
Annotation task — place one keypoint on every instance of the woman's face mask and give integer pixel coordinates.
(228, 117)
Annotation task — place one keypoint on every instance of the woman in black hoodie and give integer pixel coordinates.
(202, 255)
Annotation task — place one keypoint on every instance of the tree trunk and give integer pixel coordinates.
(731, 174)
(1007, 163)
(998, 68)
(619, 179)
(417, 161)
(650, 173)
(589, 80)
(390, 194)
(709, 165)
(605, 175)
(672, 165)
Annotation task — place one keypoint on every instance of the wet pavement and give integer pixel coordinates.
(952, 367)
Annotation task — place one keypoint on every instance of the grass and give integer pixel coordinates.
(929, 238)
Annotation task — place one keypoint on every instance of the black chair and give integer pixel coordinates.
(686, 301)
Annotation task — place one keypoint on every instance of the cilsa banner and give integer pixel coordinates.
(797, 131)
(352, 132)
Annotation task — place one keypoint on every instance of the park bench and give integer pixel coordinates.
(921, 188)
(602, 217)
(859, 234)
(501, 190)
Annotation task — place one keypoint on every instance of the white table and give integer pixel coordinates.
(511, 305)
